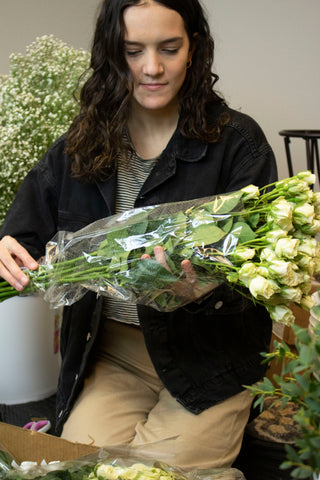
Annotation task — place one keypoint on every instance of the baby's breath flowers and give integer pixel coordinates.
(257, 240)
(36, 107)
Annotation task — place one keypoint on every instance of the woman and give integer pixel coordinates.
(152, 129)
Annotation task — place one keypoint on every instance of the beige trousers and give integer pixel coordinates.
(124, 402)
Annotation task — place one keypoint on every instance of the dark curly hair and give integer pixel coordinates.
(96, 137)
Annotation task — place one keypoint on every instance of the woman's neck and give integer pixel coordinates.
(150, 131)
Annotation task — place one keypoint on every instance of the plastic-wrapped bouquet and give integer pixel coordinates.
(36, 107)
(114, 463)
(261, 241)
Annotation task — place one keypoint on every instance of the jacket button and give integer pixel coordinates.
(218, 305)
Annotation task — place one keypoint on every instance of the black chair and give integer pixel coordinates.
(311, 138)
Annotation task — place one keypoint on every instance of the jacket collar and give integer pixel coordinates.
(186, 149)
(179, 147)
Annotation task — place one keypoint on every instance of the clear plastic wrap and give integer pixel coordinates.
(116, 463)
(105, 256)
(261, 242)
(5, 459)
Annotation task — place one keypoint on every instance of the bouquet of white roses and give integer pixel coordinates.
(262, 242)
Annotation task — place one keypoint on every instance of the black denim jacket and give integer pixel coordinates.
(203, 353)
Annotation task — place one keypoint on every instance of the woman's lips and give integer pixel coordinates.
(153, 86)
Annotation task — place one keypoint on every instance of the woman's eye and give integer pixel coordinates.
(132, 53)
(170, 51)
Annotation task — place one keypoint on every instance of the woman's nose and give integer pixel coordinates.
(152, 65)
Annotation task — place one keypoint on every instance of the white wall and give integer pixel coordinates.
(267, 55)
(268, 60)
(21, 21)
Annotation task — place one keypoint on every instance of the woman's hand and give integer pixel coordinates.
(13, 256)
(188, 286)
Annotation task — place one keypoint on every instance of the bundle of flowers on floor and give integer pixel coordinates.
(106, 465)
(262, 242)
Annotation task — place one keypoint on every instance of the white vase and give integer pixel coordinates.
(29, 350)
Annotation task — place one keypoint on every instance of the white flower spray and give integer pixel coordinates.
(36, 107)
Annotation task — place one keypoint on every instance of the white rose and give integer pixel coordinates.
(281, 313)
(285, 273)
(250, 192)
(109, 472)
(316, 265)
(287, 247)
(303, 214)
(309, 246)
(267, 254)
(297, 186)
(306, 302)
(263, 288)
(293, 294)
(274, 235)
(307, 264)
(306, 285)
(307, 176)
(247, 272)
(244, 253)
(311, 228)
(316, 201)
(263, 271)
(281, 214)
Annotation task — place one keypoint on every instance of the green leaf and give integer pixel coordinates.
(301, 472)
(223, 204)
(305, 354)
(302, 334)
(179, 225)
(292, 389)
(204, 235)
(266, 385)
(316, 310)
(111, 247)
(285, 465)
(292, 453)
(304, 381)
(226, 224)
(315, 442)
(149, 274)
(246, 234)
(253, 219)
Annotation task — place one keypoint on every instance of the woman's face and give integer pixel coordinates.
(157, 50)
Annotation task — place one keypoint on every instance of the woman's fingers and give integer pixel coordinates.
(188, 285)
(190, 274)
(12, 257)
(160, 256)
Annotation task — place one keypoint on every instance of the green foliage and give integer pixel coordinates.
(299, 382)
(36, 107)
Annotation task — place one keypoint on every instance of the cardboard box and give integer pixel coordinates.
(25, 444)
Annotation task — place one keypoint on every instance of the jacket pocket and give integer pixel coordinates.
(221, 301)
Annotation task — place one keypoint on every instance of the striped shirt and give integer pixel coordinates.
(131, 176)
